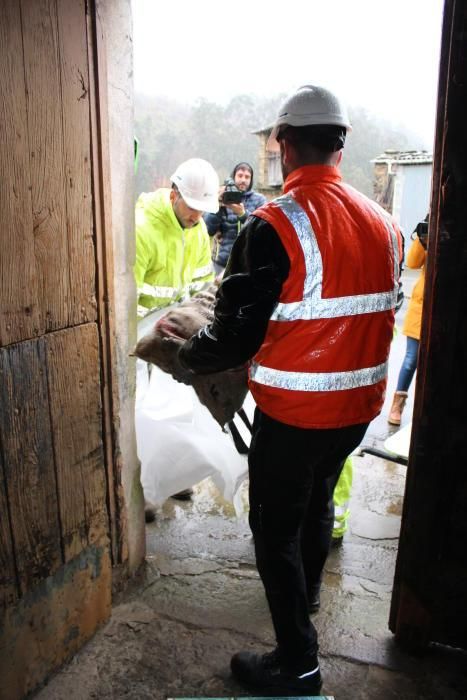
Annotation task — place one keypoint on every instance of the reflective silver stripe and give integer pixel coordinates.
(165, 292)
(310, 673)
(395, 246)
(197, 286)
(318, 381)
(161, 292)
(142, 310)
(341, 511)
(146, 289)
(202, 271)
(313, 306)
(209, 334)
(183, 294)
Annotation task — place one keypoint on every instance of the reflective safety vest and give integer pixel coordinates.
(324, 359)
(172, 263)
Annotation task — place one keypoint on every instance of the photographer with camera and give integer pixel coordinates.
(237, 201)
(416, 257)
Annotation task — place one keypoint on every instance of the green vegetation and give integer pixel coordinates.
(170, 132)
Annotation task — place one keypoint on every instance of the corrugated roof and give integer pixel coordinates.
(404, 157)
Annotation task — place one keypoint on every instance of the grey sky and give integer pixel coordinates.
(377, 54)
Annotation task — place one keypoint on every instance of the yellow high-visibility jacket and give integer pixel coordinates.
(341, 499)
(171, 262)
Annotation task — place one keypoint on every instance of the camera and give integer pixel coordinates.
(231, 194)
(421, 230)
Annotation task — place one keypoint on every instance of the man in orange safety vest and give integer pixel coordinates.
(308, 300)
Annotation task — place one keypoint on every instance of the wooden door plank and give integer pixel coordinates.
(429, 602)
(26, 441)
(19, 314)
(8, 580)
(75, 407)
(77, 148)
(104, 282)
(42, 75)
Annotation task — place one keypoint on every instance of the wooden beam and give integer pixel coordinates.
(430, 589)
(28, 464)
(75, 96)
(45, 128)
(102, 213)
(73, 378)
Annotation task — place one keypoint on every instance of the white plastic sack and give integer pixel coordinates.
(180, 444)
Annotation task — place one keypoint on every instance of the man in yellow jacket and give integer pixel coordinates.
(173, 253)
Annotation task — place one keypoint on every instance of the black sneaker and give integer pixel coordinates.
(265, 672)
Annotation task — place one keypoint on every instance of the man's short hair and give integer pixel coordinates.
(325, 138)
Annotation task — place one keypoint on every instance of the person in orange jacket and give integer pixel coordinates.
(308, 301)
(416, 257)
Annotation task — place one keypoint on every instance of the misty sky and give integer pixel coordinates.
(382, 55)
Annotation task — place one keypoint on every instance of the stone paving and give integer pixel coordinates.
(201, 600)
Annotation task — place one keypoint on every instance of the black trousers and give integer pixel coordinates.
(293, 472)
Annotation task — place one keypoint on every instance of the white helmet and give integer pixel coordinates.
(198, 183)
(311, 105)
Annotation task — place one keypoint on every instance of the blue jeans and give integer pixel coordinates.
(409, 365)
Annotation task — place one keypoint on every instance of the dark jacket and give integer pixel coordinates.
(229, 224)
(249, 292)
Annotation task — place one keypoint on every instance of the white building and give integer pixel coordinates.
(402, 186)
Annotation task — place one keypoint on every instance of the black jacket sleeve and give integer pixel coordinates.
(213, 223)
(253, 279)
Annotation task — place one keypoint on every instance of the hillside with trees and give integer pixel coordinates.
(170, 132)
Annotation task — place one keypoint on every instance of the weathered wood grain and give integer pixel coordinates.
(43, 90)
(102, 209)
(75, 409)
(77, 153)
(8, 583)
(19, 312)
(26, 440)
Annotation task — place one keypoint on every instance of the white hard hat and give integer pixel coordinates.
(311, 105)
(198, 183)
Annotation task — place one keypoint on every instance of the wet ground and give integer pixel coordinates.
(200, 600)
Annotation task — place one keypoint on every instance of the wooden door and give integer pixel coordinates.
(55, 553)
(429, 602)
